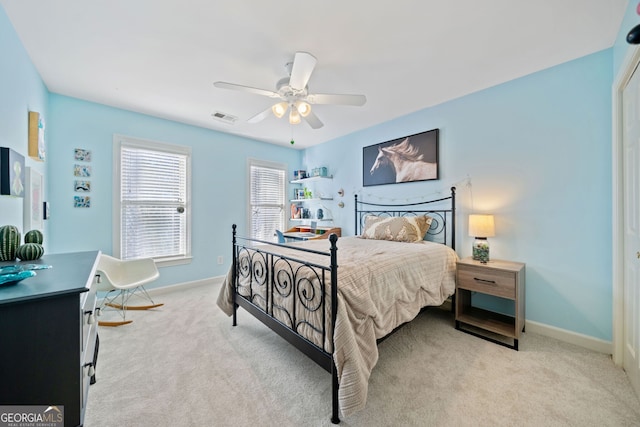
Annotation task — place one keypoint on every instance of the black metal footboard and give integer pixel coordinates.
(294, 297)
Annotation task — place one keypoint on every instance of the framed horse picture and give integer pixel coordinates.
(407, 159)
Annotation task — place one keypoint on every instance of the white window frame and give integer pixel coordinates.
(118, 142)
(266, 164)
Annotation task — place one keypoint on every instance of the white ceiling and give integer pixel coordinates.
(161, 57)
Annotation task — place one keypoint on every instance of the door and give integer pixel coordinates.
(631, 228)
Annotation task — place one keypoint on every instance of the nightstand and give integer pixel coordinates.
(497, 278)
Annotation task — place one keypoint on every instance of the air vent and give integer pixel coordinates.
(224, 118)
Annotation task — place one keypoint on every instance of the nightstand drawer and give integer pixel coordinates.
(492, 282)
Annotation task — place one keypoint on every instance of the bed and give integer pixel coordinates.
(401, 260)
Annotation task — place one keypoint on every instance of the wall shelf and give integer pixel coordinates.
(310, 179)
(310, 219)
(314, 199)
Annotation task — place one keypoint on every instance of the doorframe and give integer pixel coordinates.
(629, 64)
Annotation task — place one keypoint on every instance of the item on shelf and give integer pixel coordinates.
(321, 171)
(30, 251)
(299, 174)
(33, 236)
(295, 211)
(12, 274)
(319, 214)
(9, 242)
(13, 278)
(306, 213)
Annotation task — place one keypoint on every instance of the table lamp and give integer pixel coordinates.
(481, 227)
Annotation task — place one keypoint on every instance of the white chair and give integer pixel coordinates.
(125, 278)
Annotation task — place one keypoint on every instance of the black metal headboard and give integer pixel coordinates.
(443, 226)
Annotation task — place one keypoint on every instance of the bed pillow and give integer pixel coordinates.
(397, 229)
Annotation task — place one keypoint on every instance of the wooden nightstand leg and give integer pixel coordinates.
(515, 344)
(457, 324)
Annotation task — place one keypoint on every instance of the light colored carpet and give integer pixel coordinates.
(185, 365)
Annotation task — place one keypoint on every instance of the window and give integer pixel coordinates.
(266, 199)
(151, 200)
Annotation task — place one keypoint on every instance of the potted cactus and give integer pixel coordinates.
(9, 242)
(32, 248)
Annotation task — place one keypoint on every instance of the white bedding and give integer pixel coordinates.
(382, 285)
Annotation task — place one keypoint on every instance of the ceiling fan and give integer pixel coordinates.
(293, 94)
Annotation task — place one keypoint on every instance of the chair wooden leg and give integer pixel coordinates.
(134, 307)
(118, 323)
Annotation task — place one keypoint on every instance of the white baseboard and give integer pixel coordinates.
(178, 286)
(591, 343)
(185, 285)
(570, 337)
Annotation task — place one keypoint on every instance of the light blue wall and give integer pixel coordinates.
(219, 185)
(21, 91)
(538, 152)
(621, 47)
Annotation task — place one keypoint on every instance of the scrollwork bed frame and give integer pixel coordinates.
(292, 283)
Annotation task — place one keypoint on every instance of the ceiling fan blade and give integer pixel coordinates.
(232, 86)
(260, 116)
(337, 99)
(313, 120)
(303, 65)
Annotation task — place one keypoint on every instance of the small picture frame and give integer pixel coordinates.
(46, 214)
(81, 186)
(82, 155)
(82, 170)
(81, 202)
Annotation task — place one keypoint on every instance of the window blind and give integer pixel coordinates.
(153, 200)
(267, 200)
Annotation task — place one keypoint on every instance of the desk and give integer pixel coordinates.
(303, 232)
(49, 335)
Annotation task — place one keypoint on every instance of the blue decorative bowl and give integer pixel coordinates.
(8, 279)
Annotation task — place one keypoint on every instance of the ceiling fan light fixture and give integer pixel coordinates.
(279, 109)
(303, 108)
(294, 116)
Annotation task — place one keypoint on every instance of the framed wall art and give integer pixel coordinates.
(82, 155)
(33, 210)
(82, 170)
(36, 136)
(407, 159)
(11, 172)
(81, 186)
(81, 202)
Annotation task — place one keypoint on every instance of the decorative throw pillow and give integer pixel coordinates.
(398, 229)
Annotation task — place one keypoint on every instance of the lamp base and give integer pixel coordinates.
(480, 249)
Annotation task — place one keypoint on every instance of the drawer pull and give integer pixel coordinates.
(91, 371)
(91, 318)
(488, 282)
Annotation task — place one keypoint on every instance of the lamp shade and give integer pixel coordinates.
(481, 226)
(303, 108)
(279, 109)
(294, 116)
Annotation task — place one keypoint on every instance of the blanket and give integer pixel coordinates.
(381, 285)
